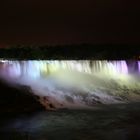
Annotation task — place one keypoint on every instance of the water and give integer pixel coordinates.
(118, 122)
(76, 84)
(97, 100)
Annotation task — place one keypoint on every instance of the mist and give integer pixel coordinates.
(76, 84)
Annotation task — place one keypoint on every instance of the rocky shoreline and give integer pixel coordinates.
(17, 99)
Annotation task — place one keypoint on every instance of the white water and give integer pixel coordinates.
(76, 83)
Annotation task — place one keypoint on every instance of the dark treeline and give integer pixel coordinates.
(66, 52)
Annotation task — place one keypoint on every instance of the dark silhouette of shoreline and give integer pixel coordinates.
(68, 52)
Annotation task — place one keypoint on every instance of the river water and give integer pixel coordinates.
(118, 122)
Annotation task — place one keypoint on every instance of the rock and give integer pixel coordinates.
(50, 103)
(19, 99)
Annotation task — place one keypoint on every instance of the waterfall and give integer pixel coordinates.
(34, 68)
(76, 82)
(139, 66)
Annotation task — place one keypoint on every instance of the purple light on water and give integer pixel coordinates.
(123, 67)
(139, 66)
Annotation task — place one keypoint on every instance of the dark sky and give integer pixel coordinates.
(69, 21)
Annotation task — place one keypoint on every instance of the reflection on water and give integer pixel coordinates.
(75, 84)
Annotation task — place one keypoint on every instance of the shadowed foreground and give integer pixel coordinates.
(117, 122)
(17, 99)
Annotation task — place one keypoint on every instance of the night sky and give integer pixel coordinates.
(69, 21)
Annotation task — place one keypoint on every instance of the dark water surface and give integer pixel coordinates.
(115, 122)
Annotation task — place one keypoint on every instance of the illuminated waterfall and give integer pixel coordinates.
(139, 66)
(34, 68)
(76, 83)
